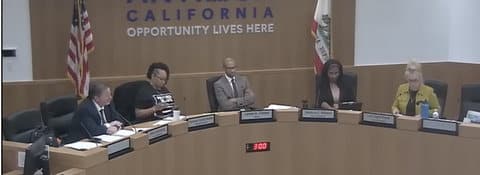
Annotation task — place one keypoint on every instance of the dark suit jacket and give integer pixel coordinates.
(325, 94)
(87, 117)
(224, 92)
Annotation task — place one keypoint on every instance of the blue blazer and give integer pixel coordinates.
(86, 118)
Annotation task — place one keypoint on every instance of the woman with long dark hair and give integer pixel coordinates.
(332, 89)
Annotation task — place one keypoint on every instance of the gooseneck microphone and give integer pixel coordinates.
(90, 137)
(112, 110)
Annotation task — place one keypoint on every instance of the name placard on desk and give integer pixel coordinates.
(256, 116)
(318, 115)
(201, 122)
(118, 148)
(440, 126)
(379, 119)
(157, 134)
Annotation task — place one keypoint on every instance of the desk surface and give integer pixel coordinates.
(297, 147)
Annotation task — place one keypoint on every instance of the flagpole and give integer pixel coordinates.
(330, 28)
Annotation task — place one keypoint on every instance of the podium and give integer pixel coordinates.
(295, 147)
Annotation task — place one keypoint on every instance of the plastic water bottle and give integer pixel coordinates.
(424, 110)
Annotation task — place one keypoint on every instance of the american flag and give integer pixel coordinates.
(321, 32)
(80, 44)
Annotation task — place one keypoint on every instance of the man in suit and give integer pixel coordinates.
(233, 91)
(95, 116)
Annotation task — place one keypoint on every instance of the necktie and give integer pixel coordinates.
(234, 85)
(103, 120)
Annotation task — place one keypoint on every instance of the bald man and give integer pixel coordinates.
(232, 90)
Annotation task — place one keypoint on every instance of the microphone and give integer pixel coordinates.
(123, 118)
(90, 137)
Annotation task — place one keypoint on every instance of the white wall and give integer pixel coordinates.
(394, 31)
(465, 31)
(16, 34)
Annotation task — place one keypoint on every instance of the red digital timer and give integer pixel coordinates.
(257, 147)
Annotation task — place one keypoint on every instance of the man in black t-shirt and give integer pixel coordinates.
(155, 101)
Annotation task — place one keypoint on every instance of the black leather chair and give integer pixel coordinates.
(212, 99)
(19, 126)
(350, 79)
(470, 99)
(124, 98)
(57, 114)
(440, 88)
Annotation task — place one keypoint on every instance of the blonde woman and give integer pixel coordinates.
(410, 95)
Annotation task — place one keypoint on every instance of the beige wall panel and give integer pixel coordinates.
(291, 45)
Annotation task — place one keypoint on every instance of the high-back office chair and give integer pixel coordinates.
(124, 98)
(57, 114)
(19, 126)
(349, 78)
(212, 98)
(470, 99)
(440, 88)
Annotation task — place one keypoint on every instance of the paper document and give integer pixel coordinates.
(275, 106)
(82, 145)
(124, 133)
(161, 122)
(108, 138)
(21, 159)
(168, 119)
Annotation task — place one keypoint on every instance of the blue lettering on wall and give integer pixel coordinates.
(178, 14)
(165, 17)
(149, 15)
(224, 13)
(268, 12)
(191, 12)
(254, 12)
(207, 13)
(241, 13)
(132, 15)
(166, 12)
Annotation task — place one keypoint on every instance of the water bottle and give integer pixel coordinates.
(424, 110)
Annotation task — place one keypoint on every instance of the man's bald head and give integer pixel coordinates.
(229, 66)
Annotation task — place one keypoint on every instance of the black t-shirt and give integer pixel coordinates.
(148, 96)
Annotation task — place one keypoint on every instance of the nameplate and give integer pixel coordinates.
(118, 148)
(157, 134)
(201, 122)
(256, 116)
(440, 126)
(379, 119)
(318, 115)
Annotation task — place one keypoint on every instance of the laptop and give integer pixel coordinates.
(355, 106)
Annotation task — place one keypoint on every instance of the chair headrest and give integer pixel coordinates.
(22, 121)
(59, 106)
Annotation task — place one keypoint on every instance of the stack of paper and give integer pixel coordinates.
(108, 138)
(124, 133)
(82, 145)
(275, 106)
